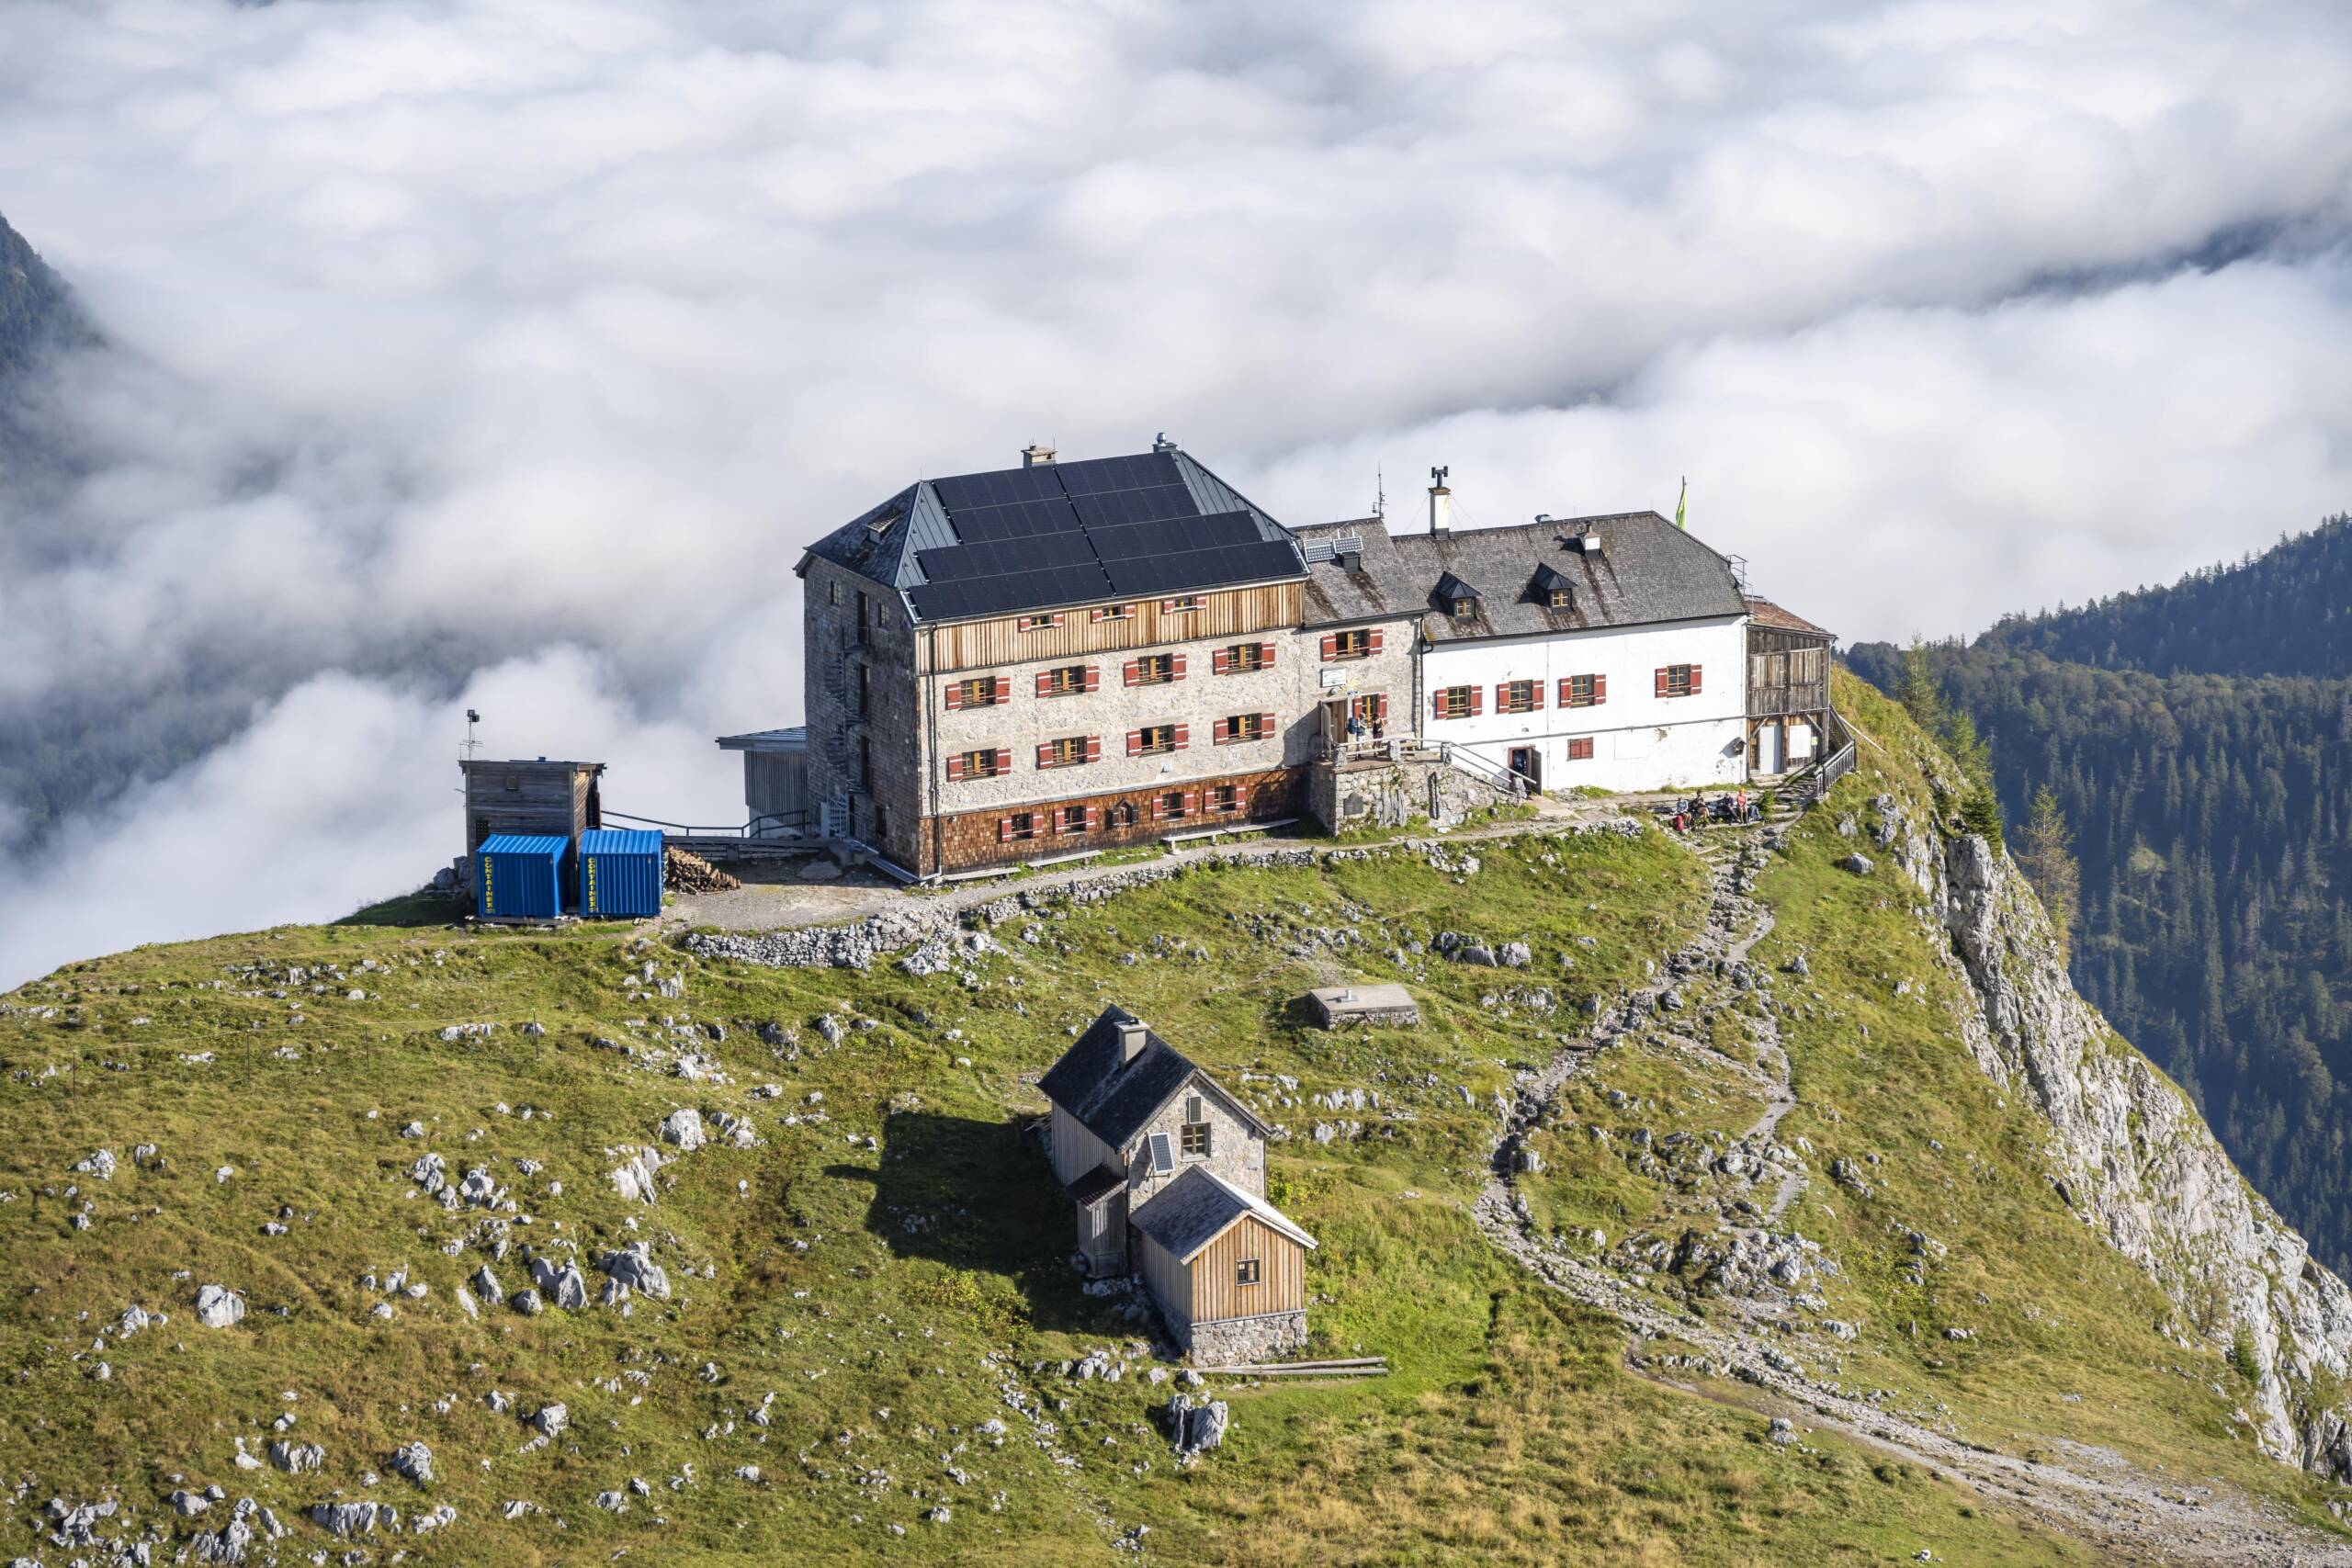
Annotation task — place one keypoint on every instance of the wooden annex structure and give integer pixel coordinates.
(1788, 689)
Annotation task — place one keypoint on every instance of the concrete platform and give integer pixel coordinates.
(1338, 1005)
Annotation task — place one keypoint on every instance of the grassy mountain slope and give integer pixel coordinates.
(896, 1296)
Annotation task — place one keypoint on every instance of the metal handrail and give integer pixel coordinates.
(791, 821)
(1485, 767)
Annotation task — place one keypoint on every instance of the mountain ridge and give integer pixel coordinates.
(873, 1270)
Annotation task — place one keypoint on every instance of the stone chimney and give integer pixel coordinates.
(1441, 504)
(1037, 455)
(1131, 1038)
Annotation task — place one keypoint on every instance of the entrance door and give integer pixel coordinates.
(1527, 762)
(1768, 747)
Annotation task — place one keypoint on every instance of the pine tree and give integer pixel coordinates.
(2047, 858)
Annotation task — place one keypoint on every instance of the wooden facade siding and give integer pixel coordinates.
(1077, 1151)
(1168, 1280)
(548, 798)
(965, 840)
(1282, 1273)
(985, 645)
(1788, 671)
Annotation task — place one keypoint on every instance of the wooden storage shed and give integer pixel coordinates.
(530, 797)
(1227, 1269)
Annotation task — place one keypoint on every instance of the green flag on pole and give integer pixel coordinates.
(1683, 502)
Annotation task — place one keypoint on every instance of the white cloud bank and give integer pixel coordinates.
(458, 331)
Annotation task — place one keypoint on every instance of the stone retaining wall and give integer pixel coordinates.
(1238, 1340)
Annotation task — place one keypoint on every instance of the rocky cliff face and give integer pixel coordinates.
(2129, 1155)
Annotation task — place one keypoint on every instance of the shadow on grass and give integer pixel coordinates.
(978, 1196)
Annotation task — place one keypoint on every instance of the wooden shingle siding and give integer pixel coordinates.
(1282, 1273)
(967, 839)
(981, 645)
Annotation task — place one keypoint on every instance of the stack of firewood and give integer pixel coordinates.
(687, 873)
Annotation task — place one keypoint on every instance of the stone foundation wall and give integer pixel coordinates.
(1391, 794)
(1238, 1340)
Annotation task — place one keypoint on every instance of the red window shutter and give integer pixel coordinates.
(1003, 829)
(1157, 802)
(1330, 647)
(1599, 690)
(1168, 607)
(1093, 817)
(1220, 732)
(1135, 743)
(1477, 700)
(1176, 670)
(1219, 662)
(1503, 697)
(1437, 705)
(1044, 756)
(1382, 711)
(1183, 735)
(1127, 670)
(1375, 642)
(1567, 693)
(1535, 695)
(1003, 762)
(1266, 655)
(954, 693)
(1265, 724)
(1093, 748)
(1661, 681)
(954, 768)
(999, 689)
(1191, 803)
(1694, 679)
(1045, 681)
(1094, 678)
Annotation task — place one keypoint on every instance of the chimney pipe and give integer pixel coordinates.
(1037, 455)
(1441, 504)
(1131, 1038)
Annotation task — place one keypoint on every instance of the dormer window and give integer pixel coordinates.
(1457, 597)
(1554, 590)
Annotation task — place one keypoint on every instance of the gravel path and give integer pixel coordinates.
(2096, 1496)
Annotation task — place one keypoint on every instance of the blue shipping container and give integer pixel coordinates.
(621, 874)
(519, 876)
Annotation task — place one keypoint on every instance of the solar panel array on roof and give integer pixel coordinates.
(1104, 528)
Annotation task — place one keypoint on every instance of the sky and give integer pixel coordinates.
(505, 353)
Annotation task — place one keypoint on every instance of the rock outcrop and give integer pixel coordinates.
(2129, 1155)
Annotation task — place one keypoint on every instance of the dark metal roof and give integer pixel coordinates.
(1096, 1185)
(1200, 1206)
(1056, 535)
(793, 741)
(1113, 1099)
(1646, 571)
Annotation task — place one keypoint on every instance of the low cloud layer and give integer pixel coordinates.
(509, 352)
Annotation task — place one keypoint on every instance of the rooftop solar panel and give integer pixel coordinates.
(1064, 534)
